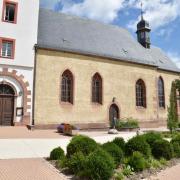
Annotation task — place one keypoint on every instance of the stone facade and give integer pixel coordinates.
(119, 79)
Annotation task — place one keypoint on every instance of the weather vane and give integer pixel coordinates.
(142, 10)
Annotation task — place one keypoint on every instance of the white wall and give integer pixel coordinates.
(25, 32)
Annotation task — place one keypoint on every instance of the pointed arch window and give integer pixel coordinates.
(97, 89)
(140, 94)
(161, 96)
(67, 87)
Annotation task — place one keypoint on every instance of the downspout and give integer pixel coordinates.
(34, 84)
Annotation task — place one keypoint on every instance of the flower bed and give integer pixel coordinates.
(128, 124)
(67, 129)
(141, 156)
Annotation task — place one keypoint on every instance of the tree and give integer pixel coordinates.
(172, 120)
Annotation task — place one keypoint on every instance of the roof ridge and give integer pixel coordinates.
(86, 19)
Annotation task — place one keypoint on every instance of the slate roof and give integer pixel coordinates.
(63, 32)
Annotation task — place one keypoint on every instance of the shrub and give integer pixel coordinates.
(176, 148)
(61, 163)
(172, 120)
(77, 164)
(118, 176)
(82, 144)
(151, 137)
(128, 123)
(114, 151)
(100, 165)
(57, 153)
(138, 143)
(137, 161)
(163, 161)
(162, 149)
(153, 163)
(127, 171)
(119, 142)
(176, 145)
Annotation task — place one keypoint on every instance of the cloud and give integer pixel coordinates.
(175, 57)
(159, 13)
(106, 10)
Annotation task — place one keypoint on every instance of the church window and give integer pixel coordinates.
(7, 48)
(97, 89)
(161, 96)
(10, 11)
(140, 93)
(67, 87)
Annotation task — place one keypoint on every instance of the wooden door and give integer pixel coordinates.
(6, 105)
(6, 110)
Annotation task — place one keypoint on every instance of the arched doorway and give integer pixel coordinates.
(7, 95)
(113, 113)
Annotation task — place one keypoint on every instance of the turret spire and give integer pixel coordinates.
(142, 11)
(143, 31)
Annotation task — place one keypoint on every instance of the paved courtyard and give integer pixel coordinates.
(172, 173)
(18, 142)
(21, 153)
(28, 169)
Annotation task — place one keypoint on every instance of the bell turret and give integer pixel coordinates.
(143, 32)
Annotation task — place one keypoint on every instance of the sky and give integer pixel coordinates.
(163, 16)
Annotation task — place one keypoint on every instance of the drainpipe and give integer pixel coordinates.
(34, 84)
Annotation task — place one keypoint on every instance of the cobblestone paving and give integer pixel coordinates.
(28, 169)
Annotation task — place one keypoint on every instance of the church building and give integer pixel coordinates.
(57, 68)
(87, 73)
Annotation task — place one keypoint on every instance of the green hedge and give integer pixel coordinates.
(137, 143)
(162, 149)
(137, 161)
(151, 137)
(82, 144)
(100, 165)
(77, 164)
(120, 143)
(56, 154)
(114, 151)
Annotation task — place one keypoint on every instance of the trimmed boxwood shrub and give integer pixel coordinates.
(176, 145)
(119, 142)
(82, 144)
(137, 161)
(151, 137)
(57, 153)
(100, 165)
(137, 143)
(77, 164)
(114, 151)
(162, 149)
